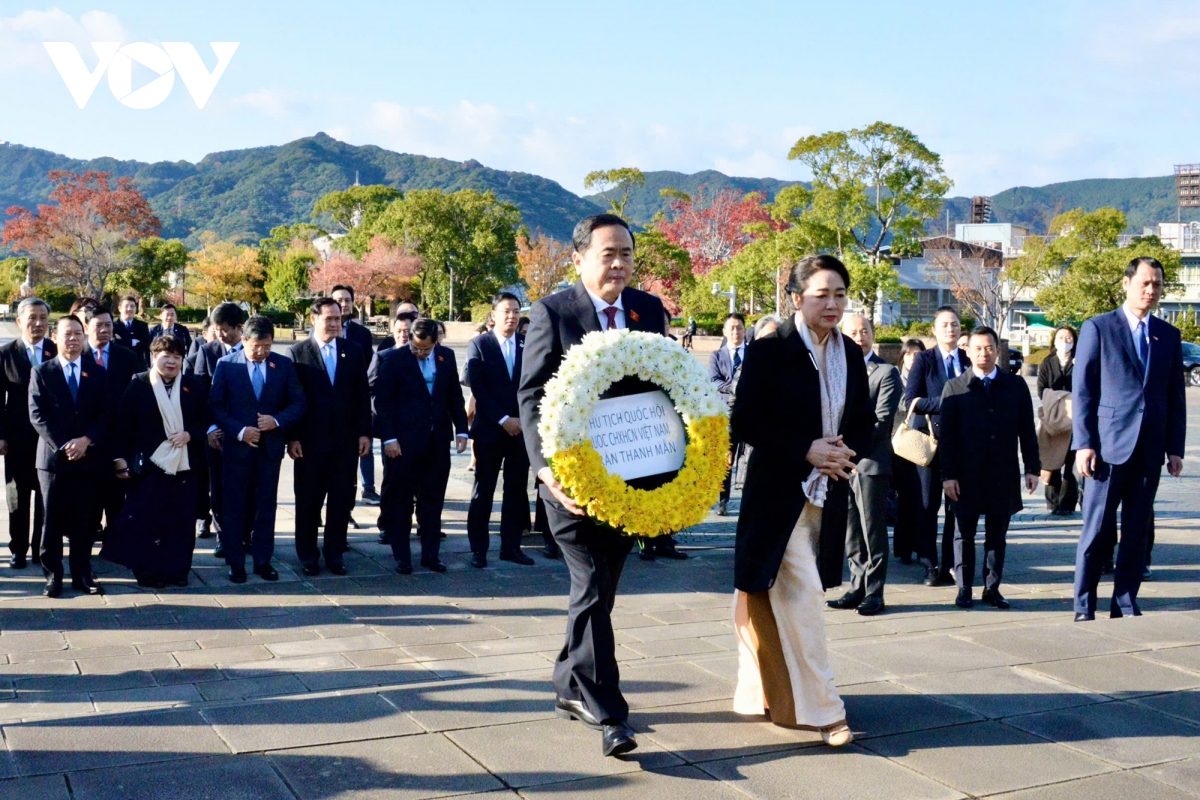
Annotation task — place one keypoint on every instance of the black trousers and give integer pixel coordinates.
(510, 453)
(203, 502)
(927, 519)
(541, 523)
(111, 499)
(250, 500)
(1133, 486)
(866, 534)
(995, 533)
(417, 481)
(71, 504)
(216, 487)
(324, 479)
(24, 495)
(586, 669)
(909, 503)
(1062, 490)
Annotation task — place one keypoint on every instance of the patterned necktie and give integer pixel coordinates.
(330, 361)
(1143, 344)
(258, 380)
(611, 313)
(508, 356)
(737, 358)
(72, 382)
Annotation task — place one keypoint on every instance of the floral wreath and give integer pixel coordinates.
(588, 369)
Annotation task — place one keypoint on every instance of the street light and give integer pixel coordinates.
(731, 294)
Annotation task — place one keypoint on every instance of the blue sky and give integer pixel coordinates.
(1012, 93)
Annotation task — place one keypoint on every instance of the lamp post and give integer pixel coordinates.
(731, 294)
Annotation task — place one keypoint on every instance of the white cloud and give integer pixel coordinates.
(274, 103)
(21, 36)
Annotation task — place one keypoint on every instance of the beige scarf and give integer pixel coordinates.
(170, 459)
(832, 376)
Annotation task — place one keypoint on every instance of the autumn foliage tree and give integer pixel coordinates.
(713, 229)
(84, 235)
(224, 271)
(544, 263)
(386, 270)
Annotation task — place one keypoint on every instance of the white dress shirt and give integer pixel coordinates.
(503, 342)
(78, 366)
(943, 354)
(250, 372)
(990, 376)
(104, 351)
(40, 355)
(601, 304)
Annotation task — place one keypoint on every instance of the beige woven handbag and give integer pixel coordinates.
(914, 445)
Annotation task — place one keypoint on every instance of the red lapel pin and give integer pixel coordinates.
(635, 316)
(441, 359)
(84, 374)
(271, 364)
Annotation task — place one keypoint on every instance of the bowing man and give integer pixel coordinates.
(493, 373)
(255, 397)
(18, 439)
(68, 406)
(333, 434)
(419, 409)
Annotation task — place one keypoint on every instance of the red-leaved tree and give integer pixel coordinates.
(712, 229)
(84, 237)
(386, 270)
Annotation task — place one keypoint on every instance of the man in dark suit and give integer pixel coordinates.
(227, 319)
(724, 369)
(18, 439)
(930, 372)
(333, 434)
(355, 332)
(168, 323)
(406, 315)
(986, 414)
(419, 408)
(120, 365)
(866, 529)
(204, 338)
(132, 332)
(68, 405)
(255, 398)
(493, 373)
(401, 334)
(586, 678)
(1130, 412)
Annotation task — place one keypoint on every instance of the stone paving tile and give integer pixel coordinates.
(651, 685)
(232, 778)
(1185, 657)
(83, 683)
(409, 767)
(670, 783)
(321, 681)
(899, 657)
(553, 751)
(523, 644)
(1111, 786)
(475, 704)
(44, 787)
(986, 758)
(1064, 640)
(1183, 775)
(172, 677)
(168, 647)
(449, 634)
(254, 669)
(438, 652)
(39, 668)
(152, 697)
(300, 722)
(1125, 734)
(681, 631)
(312, 647)
(1167, 629)
(885, 708)
(847, 773)
(487, 665)
(46, 704)
(675, 647)
(1185, 705)
(91, 743)
(1000, 691)
(28, 642)
(122, 664)
(213, 656)
(73, 654)
(249, 688)
(708, 731)
(1120, 675)
(378, 658)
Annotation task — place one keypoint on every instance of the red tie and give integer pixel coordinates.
(99, 358)
(611, 313)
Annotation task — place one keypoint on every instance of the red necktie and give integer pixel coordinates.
(99, 358)
(611, 313)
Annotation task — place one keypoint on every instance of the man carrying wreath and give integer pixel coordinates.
(585, 675)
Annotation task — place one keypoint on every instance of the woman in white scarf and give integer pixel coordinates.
(159, 436)
(803, 404)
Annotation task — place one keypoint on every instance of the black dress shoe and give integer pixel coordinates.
(1108, 569)
(1085, 617)
(87, 585)
(433, 564)
(722, 509)
(993, 598)
(204, 529)
(403, 568)
(517, 558)
(181, 582)
(964, 598)
(849, 600)
(1147, 575)
(871, 606)
(310, 568)
(478, 560)
(336, 567)
(53, 587)
(670, 551)
(266, 572)
(552, 551)
(574, 709)
(152, 583)
(36, 558)
(219, 551)
(618, 739)
(237, 574)
(384, 538)
(18, 562)
(931, 577)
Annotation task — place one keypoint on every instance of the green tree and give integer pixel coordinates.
(151, 263)
(1091, 282)
(1081, 232)
(870, 183)
(872, 282)
(619, 182)
(662, 267)
(467, 242)
(351, 207)
(286, 285)
(12, 275)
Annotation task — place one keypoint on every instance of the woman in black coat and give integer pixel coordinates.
(155, 533)
(1062, 490)
(804, 406)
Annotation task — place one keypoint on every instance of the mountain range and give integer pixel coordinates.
(242, 194)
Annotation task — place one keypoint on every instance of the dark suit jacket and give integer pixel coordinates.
(58, 419)
(15, 369)
(139, 430)
(1115, 402)
(232, 404)
(494, 391)
(404, 408)
(926, 380)
(559, 322)
(178, 331)
(337, 413)
(361, 336)
(203, 363)
(195, 346)
(125, 335)
(721, 372)
(1052, 375)
(386, 343)
(981, 431)
(777, 411)
(883, 384)
(121, 365)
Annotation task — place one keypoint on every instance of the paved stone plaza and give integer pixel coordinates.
(375, 685)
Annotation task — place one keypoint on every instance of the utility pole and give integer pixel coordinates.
(731, 294)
